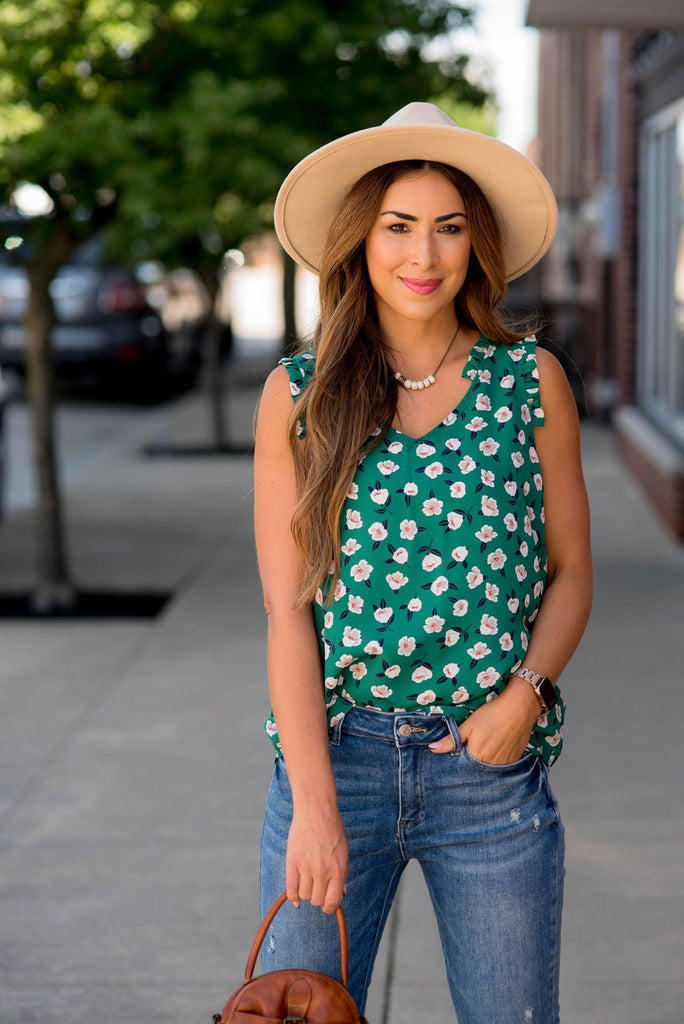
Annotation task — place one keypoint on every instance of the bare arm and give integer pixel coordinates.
(499, 731)
(317, 847)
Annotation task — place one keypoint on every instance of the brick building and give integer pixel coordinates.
(611, 142)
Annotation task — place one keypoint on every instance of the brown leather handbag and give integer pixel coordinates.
(292, 996)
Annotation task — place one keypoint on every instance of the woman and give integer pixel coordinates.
(423, 541)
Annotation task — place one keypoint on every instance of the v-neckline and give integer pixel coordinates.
(467, 373)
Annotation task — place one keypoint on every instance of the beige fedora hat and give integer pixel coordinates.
(517, 191)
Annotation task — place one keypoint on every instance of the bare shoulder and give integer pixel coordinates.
(275, 406)
(554, 389)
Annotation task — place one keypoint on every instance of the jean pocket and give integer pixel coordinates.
(528, 758)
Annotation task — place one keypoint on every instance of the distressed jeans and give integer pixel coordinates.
(489, 841)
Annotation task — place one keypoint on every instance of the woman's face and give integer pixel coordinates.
(417, 251)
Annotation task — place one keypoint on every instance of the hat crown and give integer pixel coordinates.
(423, 115)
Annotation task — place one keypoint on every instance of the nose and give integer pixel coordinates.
(424, 249)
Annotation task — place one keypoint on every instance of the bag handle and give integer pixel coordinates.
(266, 924)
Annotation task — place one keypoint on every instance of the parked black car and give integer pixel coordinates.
(106, 329)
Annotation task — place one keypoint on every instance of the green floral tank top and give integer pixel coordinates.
(443, 562)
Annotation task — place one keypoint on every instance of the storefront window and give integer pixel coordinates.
(661, 270)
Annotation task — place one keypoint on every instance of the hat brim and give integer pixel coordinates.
(517, 191)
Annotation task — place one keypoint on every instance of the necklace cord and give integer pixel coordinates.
(426, 382)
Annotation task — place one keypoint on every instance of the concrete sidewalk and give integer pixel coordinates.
(133, 768)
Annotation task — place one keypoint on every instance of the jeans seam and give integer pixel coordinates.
(378, 933)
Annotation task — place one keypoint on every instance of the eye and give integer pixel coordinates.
(451, 229)
(399, 228)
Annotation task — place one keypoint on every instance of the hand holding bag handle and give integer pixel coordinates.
(266, 924)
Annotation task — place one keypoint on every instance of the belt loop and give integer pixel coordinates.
(455, 735)
(335, 732)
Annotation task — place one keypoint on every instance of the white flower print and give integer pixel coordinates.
(361, 571)
(406, 646)
(538, 588)
(451, 670)
(474, 577)
(431, 562)
(525, 413)
(411, 489)
(487, 678)
(381, 692)
(353, 492)
(271, 727)
(344, 660)
(487, 477)
(489, 625)
(377, 531)
(451, 637)
(524, 549)
(340, 591)
(459, 554)
(427, 696)
(506, 642)
(524, 641)
(516, 354)
(486, 533)
(511, 488)
(355, 604)
(373, 647)
(395, 447)
(491, 592)
(554, 740)
(489, 506)
(424, 450)
(461, 608)
(299, 429)
(331, 682)
(513, 605)
(521, 573)
(415, 604)
(408, 529)
(458, 489)
(354, 520)
(452, 443)
(489, 446)
(387, 467)
(467, 465)
(392, 671)
(517, 459)
(400, 555)
(439, 585)
(350, 547)
(537, 481)
(328, 620)
(479, 650)
(379, 495)
(503, 415)
(483, 403)
(351, 636)
(485, 376)
(420, 675)
(432, 507)
(433, 624)
(434, 470)
(383, 614)
(510, 522)
(396, 580)
(532, 452)
(460, 696)
(294, 389)
(454, 520)
(450, 419)
(497, 559)
(507, 381)
(359, 670)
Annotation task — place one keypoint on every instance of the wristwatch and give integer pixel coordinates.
(542, 686)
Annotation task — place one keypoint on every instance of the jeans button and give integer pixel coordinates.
(405, 730)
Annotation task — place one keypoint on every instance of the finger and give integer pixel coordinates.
(292, 884)
(443, 746)
(333, 897)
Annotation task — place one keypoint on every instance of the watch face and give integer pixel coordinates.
(548, 692)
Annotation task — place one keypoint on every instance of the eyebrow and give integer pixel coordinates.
(409, 216)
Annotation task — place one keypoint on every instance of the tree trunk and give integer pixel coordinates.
(214, 382)
(53, 588)
(290, 339)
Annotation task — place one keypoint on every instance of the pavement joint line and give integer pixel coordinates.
(86, 715)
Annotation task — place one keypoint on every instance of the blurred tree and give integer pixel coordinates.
(173, 123)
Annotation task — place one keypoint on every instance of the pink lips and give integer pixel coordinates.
(422, 285)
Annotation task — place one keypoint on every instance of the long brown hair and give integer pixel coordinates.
(351, 399)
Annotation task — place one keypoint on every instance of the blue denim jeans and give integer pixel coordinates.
(490, 844)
